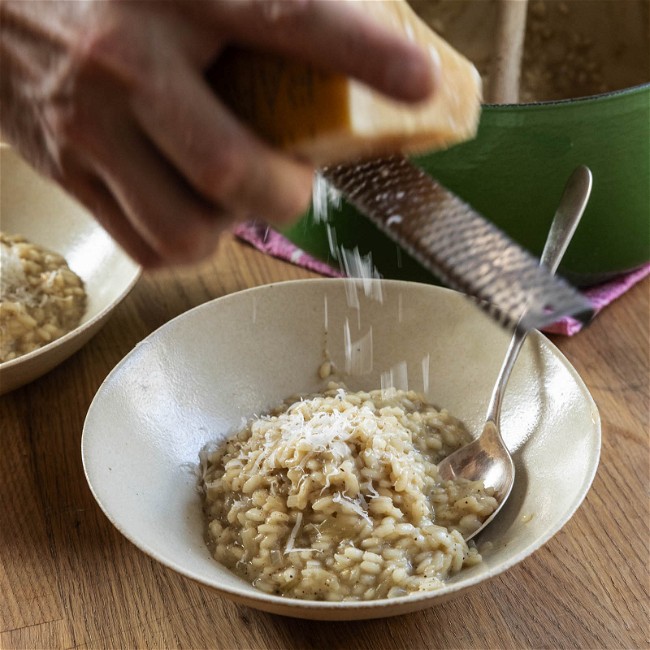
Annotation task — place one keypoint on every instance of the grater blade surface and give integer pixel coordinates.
(450, 239)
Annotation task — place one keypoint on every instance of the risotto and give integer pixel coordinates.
(336, 496)
(41, 299)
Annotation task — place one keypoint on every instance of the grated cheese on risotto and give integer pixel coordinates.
(336, 496)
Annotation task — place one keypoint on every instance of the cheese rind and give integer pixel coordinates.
(328, 118)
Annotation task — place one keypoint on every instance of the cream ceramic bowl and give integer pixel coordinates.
(39, 210)
(193, 380)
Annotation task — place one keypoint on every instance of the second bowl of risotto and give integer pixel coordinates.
(280, 445)
(62, 274)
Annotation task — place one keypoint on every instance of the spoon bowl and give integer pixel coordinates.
(487, 458)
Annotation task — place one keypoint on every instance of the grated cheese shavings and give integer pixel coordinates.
(349, 503)
(292, 536)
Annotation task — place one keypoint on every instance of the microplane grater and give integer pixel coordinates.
(453, 241)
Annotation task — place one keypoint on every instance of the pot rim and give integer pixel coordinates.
(587, 99)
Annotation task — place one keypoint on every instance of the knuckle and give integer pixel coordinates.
(105, 62)
(65, 110)
(98, 47)
(66, 122)
(225, 176)
(112, 48)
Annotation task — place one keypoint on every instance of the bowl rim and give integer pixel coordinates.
(267, 601)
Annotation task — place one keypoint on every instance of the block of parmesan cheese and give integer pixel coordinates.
(328, 118)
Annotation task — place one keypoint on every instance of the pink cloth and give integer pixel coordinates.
(269, 241)
(600, 296)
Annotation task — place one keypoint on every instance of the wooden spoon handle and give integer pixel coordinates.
(503, 86)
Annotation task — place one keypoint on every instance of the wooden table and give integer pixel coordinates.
(68, 579)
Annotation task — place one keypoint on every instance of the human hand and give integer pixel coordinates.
(108, 98)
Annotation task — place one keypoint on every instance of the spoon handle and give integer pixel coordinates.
(569, 212)
(572, 205)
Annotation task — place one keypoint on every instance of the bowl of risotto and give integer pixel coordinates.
(62, 275)
(280, 445)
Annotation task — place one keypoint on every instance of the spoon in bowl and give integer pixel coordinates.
(487, 458)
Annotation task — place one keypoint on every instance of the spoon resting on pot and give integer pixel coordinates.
(487, 458)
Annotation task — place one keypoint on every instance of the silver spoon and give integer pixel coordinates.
(487, 458)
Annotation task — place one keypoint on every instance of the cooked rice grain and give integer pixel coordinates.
(41, 299)
(336, 496)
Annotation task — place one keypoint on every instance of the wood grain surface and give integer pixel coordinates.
(68, 579)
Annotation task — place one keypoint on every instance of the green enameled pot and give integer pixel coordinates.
(514, 172)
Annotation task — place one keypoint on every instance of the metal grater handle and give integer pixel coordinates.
(450, 239)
